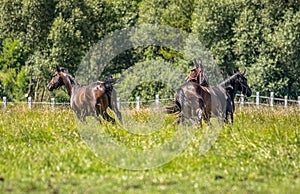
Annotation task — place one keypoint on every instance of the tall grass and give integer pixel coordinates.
(42, 151)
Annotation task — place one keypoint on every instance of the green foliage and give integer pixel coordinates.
(146, 79)
(147, 91)
(213, 22)
(37, 35)
(267, 40)
(175, 14)
(13, 77)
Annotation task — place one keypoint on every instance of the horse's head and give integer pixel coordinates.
(57, 79)
(197, 75)
(99, 89)
(242, 84)
(194, 74)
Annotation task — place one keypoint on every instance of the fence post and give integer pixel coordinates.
(138, 103)
(4, 102)
(285, 101)
(242, 100)
(257, 99)
(157, 100)
(272, 99)
(118, 103)
(29, 102)
(52, 104)
(299, 101)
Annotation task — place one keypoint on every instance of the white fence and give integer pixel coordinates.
(257, 100)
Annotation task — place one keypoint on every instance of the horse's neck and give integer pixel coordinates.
(230, 83)
(69, 82)
(199, 78)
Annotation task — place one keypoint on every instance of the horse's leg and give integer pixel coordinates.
(78, 112)
(105, 104)
(226, 116)
(182, 119)
(232, 111)
(114, 106)
(178, 119)
(199, 113)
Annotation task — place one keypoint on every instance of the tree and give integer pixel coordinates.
(266, 39)
(13, 76)
(213, 21)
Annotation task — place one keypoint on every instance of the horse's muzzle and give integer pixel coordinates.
(50, 88)
(248, 92)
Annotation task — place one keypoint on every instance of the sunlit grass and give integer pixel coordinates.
(42, 151)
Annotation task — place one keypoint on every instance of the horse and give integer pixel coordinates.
(222, 95)
(192, 99)
(90, 100)
(197, 74)
(229, 88)
(218, 100)
(189, 103)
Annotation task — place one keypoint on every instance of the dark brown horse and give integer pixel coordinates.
(218, 100)
(190, 104)
(193, 99)
(90, 100)
(222, 96)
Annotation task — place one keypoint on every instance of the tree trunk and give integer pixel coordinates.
(36, 90)
(43, 93)
(29, 91)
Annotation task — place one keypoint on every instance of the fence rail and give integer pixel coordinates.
(254, 100)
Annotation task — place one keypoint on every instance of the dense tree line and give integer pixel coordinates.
(36, 35)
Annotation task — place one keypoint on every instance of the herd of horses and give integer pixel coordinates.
(194, 101)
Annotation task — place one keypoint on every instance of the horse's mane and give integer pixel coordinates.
(71, 78)
(231, 79)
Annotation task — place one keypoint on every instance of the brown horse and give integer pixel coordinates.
(221, 101)
(190, 104)
(90, 100)
(197, 74)
(218, 100)
(193, 99)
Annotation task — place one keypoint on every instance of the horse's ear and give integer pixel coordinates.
(57, 68)
(229, 87)
(198, 63)
(244, 72)
(195, 62)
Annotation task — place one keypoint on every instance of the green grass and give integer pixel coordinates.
(42, 152)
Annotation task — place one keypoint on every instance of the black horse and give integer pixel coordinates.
(226, 92)
(90, 100)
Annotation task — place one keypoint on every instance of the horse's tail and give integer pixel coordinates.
(172, 109)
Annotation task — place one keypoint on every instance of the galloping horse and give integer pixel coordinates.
(232, 85)
(189, 103)
(90, 100)
(192, 99)
(222, 95)
(218, 100)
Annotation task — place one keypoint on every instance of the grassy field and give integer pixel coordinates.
(42, 152)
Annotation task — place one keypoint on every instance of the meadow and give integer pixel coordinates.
(42, 151)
